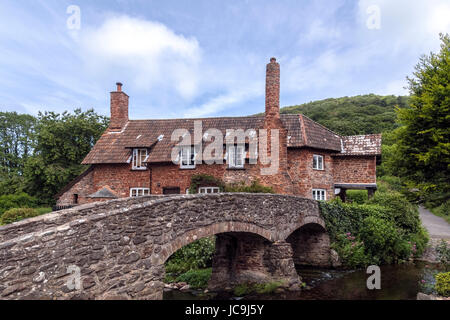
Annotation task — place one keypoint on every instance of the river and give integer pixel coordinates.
(398, 282)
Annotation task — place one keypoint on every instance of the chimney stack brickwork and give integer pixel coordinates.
(281, 181)
(272, 91)
(119, 108)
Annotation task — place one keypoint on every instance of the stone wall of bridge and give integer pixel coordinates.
(118, 248)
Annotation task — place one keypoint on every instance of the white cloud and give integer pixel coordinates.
(223, 101)
(147, 52)
(413, 24)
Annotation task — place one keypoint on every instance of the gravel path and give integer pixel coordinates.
(436, 226)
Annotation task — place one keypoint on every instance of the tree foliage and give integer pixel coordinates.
(17, 141)
(353, 115)
(421, 152)
(62, 141)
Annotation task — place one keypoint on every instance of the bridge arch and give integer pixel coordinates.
(120, 246)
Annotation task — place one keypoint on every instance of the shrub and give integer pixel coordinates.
(199, 180)
(398, 209)
(254, 187)
(418, 241)
(382, 240)
(443, 284)
(357, 196)
(351, 251)
(196, 255)
(21, 200)
(197, 279)
(17, 214)
(443, 254)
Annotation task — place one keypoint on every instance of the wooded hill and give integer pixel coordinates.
(353, 115)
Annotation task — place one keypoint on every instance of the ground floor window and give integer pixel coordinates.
(208, 190)
(139, 192)
(319, 194)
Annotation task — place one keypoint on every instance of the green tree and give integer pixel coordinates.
(423, 142)
(62, 141)
(16, 145)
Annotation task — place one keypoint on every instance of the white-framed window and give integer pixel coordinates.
(139, 156)
(208, 190)
(319, 194)
(139, 192)
(236, 156)
(317, 162)
(187, 157)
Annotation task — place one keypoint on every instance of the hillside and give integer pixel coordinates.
(353, 115)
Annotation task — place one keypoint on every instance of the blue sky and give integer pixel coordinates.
(207, 58)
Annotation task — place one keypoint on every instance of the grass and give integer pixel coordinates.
(43, 210)
(197, 279)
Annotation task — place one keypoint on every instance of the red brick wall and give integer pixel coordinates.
(83, 188)
(120, 178)
(299, 178)
(355, 169)
(300, 164)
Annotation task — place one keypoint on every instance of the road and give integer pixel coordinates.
(437, 227)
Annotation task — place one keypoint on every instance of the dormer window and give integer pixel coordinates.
(236, 156)
(317, 162)
(139, 156)
(187, 156)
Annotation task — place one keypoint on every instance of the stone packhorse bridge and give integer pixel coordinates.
(117, 249)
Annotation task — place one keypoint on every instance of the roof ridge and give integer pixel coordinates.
(364, 135)
(206, 118)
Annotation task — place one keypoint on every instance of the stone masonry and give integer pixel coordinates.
(119, 247)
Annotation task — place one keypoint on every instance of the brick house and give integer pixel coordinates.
(133, 157)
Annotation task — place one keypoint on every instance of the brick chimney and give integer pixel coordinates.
(272, 92)
(119, 108)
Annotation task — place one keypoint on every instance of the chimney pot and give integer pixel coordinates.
(119, 86)
(273, 59)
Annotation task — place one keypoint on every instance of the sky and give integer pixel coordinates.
(207, 58)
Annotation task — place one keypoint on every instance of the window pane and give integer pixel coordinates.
(315, 162)
(320, 162)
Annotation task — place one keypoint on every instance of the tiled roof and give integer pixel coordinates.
(115, 147)
(368, 144)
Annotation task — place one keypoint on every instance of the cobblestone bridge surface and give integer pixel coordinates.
(117, 249)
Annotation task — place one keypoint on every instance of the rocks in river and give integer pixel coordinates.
(423, 296)
(182, 286)
(185, 288)
(335, 260)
